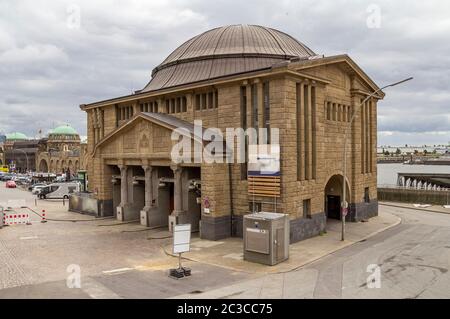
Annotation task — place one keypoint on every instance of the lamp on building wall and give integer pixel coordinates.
(344, 204)
(114, 181)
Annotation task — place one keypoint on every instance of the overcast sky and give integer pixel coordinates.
(56, 55)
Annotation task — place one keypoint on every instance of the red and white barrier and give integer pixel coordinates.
(14, 218)
(43, 218)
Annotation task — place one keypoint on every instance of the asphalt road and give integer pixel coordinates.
(413, 260)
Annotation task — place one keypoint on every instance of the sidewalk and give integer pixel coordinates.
(228, 253)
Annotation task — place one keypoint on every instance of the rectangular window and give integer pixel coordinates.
(363, 130)
(266, 115)
(204, 102)
(172, 106)
(244, 126)
(178, 105)
(299, 131)
(366, 195)
(313, 132)
(307, 208)
(254, 100)
(197, 102)
(216, 99)
(167, 106)
(210, 100)
(183, 104)
(328, 110)
(306, 129)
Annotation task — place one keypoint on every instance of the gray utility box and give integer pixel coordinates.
(266, 238)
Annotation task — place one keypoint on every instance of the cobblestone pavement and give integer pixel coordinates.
(116, 260)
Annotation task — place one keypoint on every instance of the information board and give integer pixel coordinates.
(181, 238)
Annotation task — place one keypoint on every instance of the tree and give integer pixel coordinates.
(398, 151)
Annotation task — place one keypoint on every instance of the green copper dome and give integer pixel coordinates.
(16, 136)
(64, 130)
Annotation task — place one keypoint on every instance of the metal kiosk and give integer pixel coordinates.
(266, 238)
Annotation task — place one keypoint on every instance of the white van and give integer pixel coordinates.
(59, 190)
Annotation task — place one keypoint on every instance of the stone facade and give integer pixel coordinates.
(56, 154)
(311, 102)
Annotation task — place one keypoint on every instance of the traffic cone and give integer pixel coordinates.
(43, 220)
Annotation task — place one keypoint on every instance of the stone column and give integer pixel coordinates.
(123, 192)
(178, 202)
(148, 187)
(146, 211)
(177, 214)
(123, 185)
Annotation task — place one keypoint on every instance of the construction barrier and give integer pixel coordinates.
(14, 218)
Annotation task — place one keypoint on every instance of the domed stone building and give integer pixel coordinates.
(237, 76)
(61, 150)
(20, 152)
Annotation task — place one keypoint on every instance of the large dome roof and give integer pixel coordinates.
(16, 136)
(64, 130)
(225, 51)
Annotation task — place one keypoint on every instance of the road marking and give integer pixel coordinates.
(115, 271)
(28, 238)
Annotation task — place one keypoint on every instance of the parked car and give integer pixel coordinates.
(11, 184)
(30, 188)
(58, 190)
(37, 189)
(6, 177)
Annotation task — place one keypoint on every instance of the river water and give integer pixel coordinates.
(387, 173)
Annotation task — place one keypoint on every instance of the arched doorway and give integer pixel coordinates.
(43, 166)
(333, 197)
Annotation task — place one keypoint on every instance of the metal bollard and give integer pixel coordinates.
(2, 214)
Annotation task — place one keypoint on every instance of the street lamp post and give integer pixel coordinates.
(344, 204)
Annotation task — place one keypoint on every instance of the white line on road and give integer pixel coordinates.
(28, 238)
(115, 271)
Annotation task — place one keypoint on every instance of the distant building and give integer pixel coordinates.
(20, 152)
(61, 150)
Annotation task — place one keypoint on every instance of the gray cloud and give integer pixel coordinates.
(47, 68)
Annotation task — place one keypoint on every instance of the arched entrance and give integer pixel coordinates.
(333, 197)
(43, 166)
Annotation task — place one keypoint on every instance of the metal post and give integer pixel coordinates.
(344, 205)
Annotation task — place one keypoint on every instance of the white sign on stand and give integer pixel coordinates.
(181, 238)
